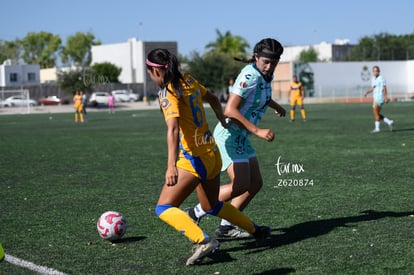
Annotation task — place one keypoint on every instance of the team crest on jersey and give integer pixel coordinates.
(242, 84)
(190, 80)
(165, 103)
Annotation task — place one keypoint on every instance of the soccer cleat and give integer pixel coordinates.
(200, 251)
(230, 231)
(375, 131)
(391, 125)
(190, 212)
(261, 233)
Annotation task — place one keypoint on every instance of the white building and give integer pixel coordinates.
(326, 51)
(130, 56)
(19, 75)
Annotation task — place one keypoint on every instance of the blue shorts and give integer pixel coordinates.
(233, 146)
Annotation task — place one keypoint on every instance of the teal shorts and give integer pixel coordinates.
(233, 146)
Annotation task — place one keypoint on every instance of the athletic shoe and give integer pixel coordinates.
(230, 231)
(391, 125)
(261, 233)
(190, 212)
(375, 131)
(200, 251)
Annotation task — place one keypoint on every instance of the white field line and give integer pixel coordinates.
(34, 267)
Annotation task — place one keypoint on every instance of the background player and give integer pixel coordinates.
(296, 95)
(379, 90)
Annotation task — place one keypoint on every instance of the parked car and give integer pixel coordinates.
(99, 98)
(18, 100)
(121, 95)
(52, 100)
(125, 96)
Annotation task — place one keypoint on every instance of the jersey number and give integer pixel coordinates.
(196, 110)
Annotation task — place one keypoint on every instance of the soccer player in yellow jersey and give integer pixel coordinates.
(77, 103)
(193, 157)
(296, 95)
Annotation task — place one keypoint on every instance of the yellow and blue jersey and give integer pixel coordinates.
(295, 89)
(195, 135)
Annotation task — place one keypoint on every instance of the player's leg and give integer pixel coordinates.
(80, 111)
(386, 120)
(227, 211)
(256, 183)
(377, 117)
(292, 109)
(171, 198)
(302, 108)
(167, 210)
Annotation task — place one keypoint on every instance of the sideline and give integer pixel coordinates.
(29, 265)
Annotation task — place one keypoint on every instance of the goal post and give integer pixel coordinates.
(20, 105)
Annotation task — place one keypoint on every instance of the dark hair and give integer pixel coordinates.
(267, 47)
(170, 64)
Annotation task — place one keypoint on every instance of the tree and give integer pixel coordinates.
(78, 49)
(73, 80)
(106, 72)
(228, 44)
(310, 55)
(214, 70)
(41, 48)
(10, 50)
(384, 46)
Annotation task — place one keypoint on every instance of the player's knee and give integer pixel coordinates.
(239, 186)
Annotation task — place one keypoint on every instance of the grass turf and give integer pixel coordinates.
(354, 216)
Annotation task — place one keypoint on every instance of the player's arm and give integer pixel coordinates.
(370, 90)
(279, 110)
(233, 112)
(302, 91)
(214, 102)
(173, 130)
(384, 89)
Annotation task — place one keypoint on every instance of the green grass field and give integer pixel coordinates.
(354, 216)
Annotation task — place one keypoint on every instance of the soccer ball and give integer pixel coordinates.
(111, 225)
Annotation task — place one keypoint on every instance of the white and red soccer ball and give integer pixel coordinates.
(111, 225)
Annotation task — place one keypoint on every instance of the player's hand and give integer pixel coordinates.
(280, 111)
(171, 176)
(265, 134)
(223, 122)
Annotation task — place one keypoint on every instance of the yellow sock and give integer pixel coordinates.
(292, 114)
(81, 117)
(76, 117)
(178, 219)
(302, 111)
(1, 253)
(233, 215)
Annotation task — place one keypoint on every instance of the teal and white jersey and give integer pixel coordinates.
(378, 85)
(256, 93)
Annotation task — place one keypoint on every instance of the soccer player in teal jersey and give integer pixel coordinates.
(248, 101)
(379, 90)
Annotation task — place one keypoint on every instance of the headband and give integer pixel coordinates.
(152, 64)
(269, 55)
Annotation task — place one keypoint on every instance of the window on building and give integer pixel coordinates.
(31, 77)
(13, 77)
